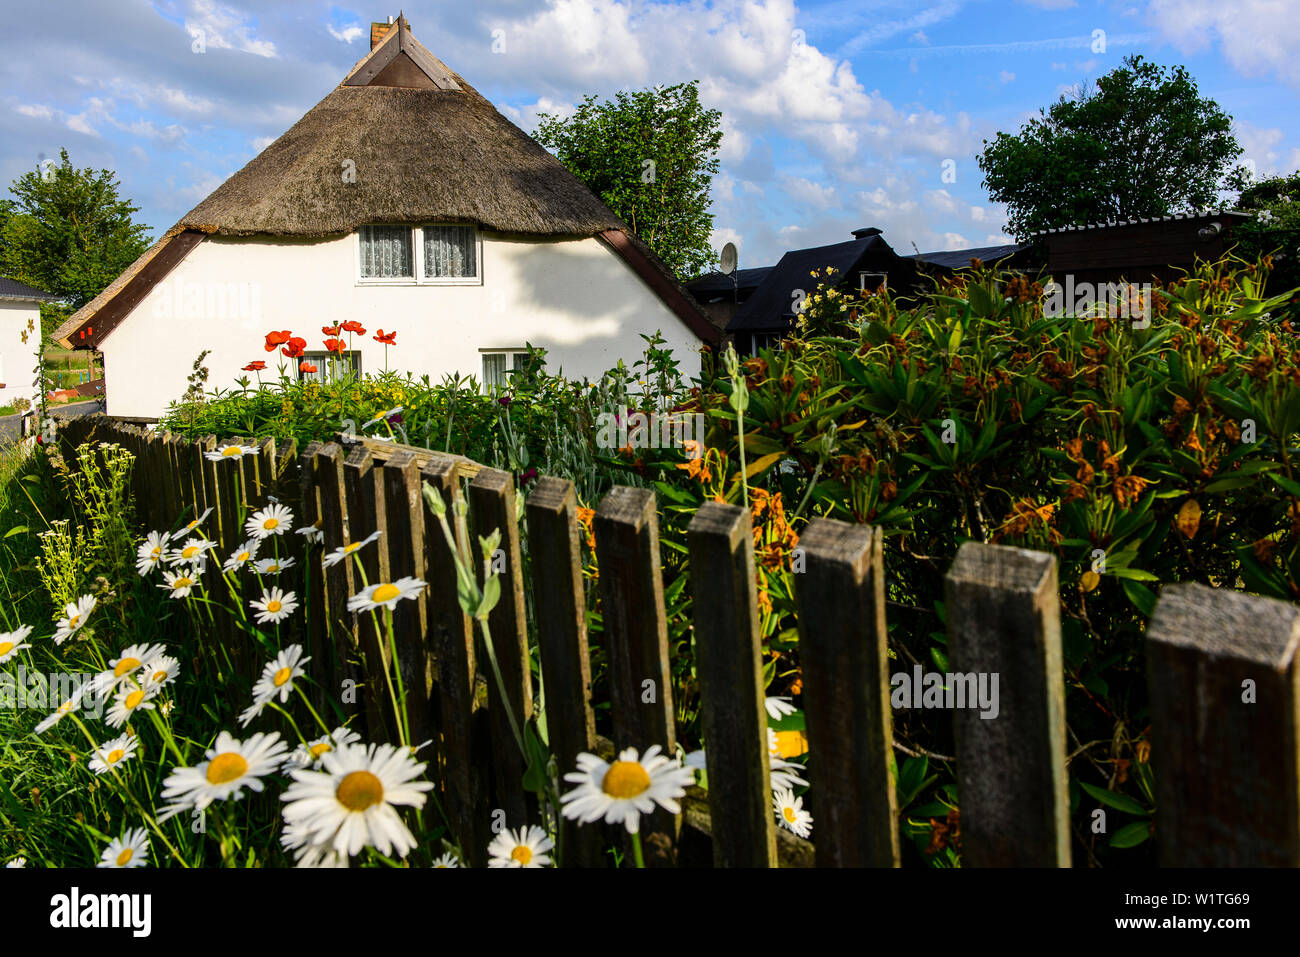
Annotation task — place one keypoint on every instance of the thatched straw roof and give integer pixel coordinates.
(425, 146)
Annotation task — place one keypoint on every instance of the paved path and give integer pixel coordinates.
(11, 425)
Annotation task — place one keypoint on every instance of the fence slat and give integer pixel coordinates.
(728, 662)
(1003, 612)
(452, 634)
(1225, 751)
(636, 640)
(844, 653)
(327, 465)
(404, 523)
(560, 608)
(492, 507)
(316, 636)
(366, 515)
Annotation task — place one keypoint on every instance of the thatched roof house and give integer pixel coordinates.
(404, 141)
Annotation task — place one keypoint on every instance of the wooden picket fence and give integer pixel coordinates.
(1221, 664)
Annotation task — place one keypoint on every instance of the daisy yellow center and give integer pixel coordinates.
(230, 450)
(126, 666)
(125, 857)
(282, 676)
(182, 583)
(243, 557)
(6, 647)
(160, 676)
(72, 622)
(360, 790)
(349, 549)
(385, 592)
(272, 568)
(788, 814)
(318, 749)
(189, 551)
(192, 525)
(523, 854)
(133, 699)
(114, 756)
(156, 552)
(227, 767)
(270, 523)
(625, 779)
(273, 606)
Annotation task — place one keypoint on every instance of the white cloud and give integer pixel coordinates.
(1005, 77)
(224, 27)
(349, 33)
(955, 241)
(37, 111)
(807, 193)
(1263, 146)
(1256, 36)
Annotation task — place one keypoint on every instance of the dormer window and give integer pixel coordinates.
(869, 282)
(439, 254)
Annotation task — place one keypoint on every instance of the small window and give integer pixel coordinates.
(497, 365)
(344, 363)
(386, 252)
(450, 252)
(871, 281)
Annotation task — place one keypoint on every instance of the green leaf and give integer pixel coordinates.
(1120, 802)
(16, 530)
(1143, 598)
(491, 595)
(1131, 835)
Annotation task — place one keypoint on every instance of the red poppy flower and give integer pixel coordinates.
(257, 366)
(274, 339)
(306, 367)
(296, 347)
(336, 345)
(330, 330)
(387, 338)
(353, 326)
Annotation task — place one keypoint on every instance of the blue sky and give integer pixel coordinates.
(837, 114)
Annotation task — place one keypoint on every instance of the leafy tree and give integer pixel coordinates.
(1145, 143)
(68, 232)
(1275, 230)
(650, 155)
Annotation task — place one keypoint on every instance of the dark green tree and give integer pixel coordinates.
(68, 232)
(1144, 143)
(650, 155)
(1275, 230)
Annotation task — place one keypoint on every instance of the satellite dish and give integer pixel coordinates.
(729, 259)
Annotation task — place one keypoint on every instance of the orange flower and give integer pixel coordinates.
(331, 330)
(336, 345)
(306, 367)
(274, 339)
(1128, 488)
(388, 339)
(353, 326)
(257, 366)
(295, 348)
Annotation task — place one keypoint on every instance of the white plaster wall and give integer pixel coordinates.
(18, 359)
(575, 298)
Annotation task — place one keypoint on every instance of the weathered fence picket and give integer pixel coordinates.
(1222, 671)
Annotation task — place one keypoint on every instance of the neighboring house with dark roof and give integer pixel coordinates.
(865, 263)
(720, 294)
(20, 339)
(404, 201)
(1011, 256)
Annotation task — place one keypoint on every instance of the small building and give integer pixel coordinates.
(866, 262)
(721, 294)
(403, 201)
(20, 340)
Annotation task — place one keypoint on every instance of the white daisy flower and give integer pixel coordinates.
(386, 594)
(12, 642)
(58, 714)
(112, 753)
(314, 533)
(275, 605)
(230, 767)
(193, 552)
(180, 583)
(129, 850)
(272, 520)
(309, 755)
(782, 771)
(74, 617)
(159, 671)
(231, 451)
(352, 803)
(525, 847)
(343, 551)
(128, 701)
(790, 813)
(273, 566)
(297, 838)
(245, 553)
(626, 789)
(182, 532)
(778, 707)
(447, 860)
(150, 552)
(17, 862)
(120, 669)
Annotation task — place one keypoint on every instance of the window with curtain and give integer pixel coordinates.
(386, 252)
(345, 363)
(495, 366)
(450, 252)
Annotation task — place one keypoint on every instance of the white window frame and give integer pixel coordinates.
(862, 279)
(321, 360)
(417, 261)
(517, 357)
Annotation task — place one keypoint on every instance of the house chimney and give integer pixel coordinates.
(865, 231)
(378, 31)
